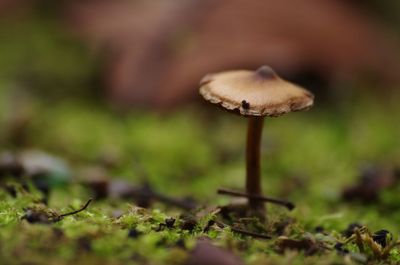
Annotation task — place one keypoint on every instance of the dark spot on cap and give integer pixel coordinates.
(266, 72)
(245, 104)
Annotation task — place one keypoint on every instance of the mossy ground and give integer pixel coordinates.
(307, 158)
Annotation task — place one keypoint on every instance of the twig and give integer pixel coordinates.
(77, 211)
(244, 232)
(289, 205)
(248, 233)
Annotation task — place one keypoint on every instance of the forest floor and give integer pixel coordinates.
(153, 179)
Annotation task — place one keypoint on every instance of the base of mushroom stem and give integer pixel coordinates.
(237, 210)
(260, 198)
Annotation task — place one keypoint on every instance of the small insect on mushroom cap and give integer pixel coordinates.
(255, 93)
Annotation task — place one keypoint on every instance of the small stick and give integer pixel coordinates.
(244, 232)
(248, 233)
(77, 211)
(290, 206)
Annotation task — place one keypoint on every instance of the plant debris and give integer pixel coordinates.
(307, 244)
(210, 223)
(134, 233)
(188, 223)
(176, 160)
(341, 249)
(377, 245)
(143, 195)
(382, 237)
(42, 215)
(283, 226)
(351, 228)
(10, 165)
(243, 231)
(169, 222)
(371, 183)
(43, 170)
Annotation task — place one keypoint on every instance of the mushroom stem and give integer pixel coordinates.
(253, 166)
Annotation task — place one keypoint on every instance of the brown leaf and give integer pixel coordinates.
(157, 51)
(371, 182)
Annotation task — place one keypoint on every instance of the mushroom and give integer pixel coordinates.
(254, 94)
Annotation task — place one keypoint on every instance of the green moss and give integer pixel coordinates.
(307, 158)
(179, 157)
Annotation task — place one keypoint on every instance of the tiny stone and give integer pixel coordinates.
(169, 222)
(189, 224)
(350, 229)
(381, 237)
(339, 248)
(319, 229)
(133, 233)
(180, 243)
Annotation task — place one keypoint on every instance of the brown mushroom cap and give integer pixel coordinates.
(255, 93)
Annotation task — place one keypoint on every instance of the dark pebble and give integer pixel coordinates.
(169, 222)
(180, 243)
(84, 243)
(209, 224)
(381, 237)
(340, 249)
(33, 216)
(133, 233)
(319, 229)
(189, 224)
(351, 229)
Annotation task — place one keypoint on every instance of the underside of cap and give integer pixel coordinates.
(246, 107)
(255, 93)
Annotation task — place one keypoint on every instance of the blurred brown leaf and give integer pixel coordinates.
(156, 51)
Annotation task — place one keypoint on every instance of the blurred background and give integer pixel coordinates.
(114, 84)
(136, 53)
(100, 99)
